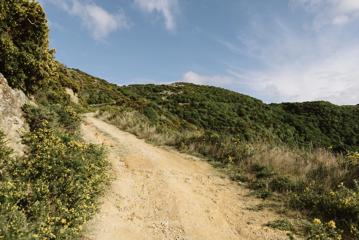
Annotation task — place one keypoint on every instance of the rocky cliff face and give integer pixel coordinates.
(12, 122)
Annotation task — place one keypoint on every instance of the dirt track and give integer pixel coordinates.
(161, 194)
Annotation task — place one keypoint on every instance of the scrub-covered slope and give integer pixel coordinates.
(318, 124)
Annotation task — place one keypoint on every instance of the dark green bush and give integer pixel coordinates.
(55, 116)
(151, 114)
(281, 224)
(216, 110)
(284, 184)
(25, 58)
(341, 205)
(261, 171)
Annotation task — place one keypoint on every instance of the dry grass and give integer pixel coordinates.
(318, 164)
(313, 175)
(137, 124)
(302, 165)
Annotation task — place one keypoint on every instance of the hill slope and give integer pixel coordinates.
(51, 191)
(187, 106)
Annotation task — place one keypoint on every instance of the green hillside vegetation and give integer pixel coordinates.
(304, 154)
(53, 190)
(301, 152)
(309, 124)
(25, 58)
(316, 124)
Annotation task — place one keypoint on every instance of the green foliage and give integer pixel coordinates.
(91, 90)
(323, 231)
(281, 224)
(150, 113)
(341, 205)
(225, 149)
(13, 223)
(55, 115)
(284, 184)
(323, 124)
(25, 59)
(311, 124)
(183, 106)
(53, 191)
(261, 171)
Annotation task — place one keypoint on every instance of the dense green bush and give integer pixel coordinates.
(55, 115)
(340, 205)
(25, 58)
(323, 231)
(310, 124)
(53, 190)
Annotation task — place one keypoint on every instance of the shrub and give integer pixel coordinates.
(55, 116)
(53, 190)
(281, 224)
(323, 231)
(341, 205)
(13, 222)
(261, 171)
(284, 184)
(25, 58)
(151, 114)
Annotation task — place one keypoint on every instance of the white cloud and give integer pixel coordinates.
(97, 20)
(348, 6)
(293, 64)
(336, 12)
(167, 8)
(334, 79)
(340, 20)
(213, 80)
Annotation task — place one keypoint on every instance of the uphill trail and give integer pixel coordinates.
(157, 194)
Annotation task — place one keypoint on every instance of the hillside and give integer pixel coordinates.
(319, 124)
(303, 156)
(183, 105)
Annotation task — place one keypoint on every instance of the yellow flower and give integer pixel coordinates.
(317, 221)
(63, 221)
(331, 224)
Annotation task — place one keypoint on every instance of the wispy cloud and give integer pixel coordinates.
(96, 19)
(335, 12)
(213, 80)
(334, 79)
(292, 63)
(167, 8)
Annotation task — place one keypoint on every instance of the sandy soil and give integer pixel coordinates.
(158, 193)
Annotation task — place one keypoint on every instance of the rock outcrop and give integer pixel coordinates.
(12, 122)
(73, 96)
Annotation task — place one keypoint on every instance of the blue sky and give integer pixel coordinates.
(277, 50)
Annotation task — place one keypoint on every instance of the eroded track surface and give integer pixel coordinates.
(159, 194)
